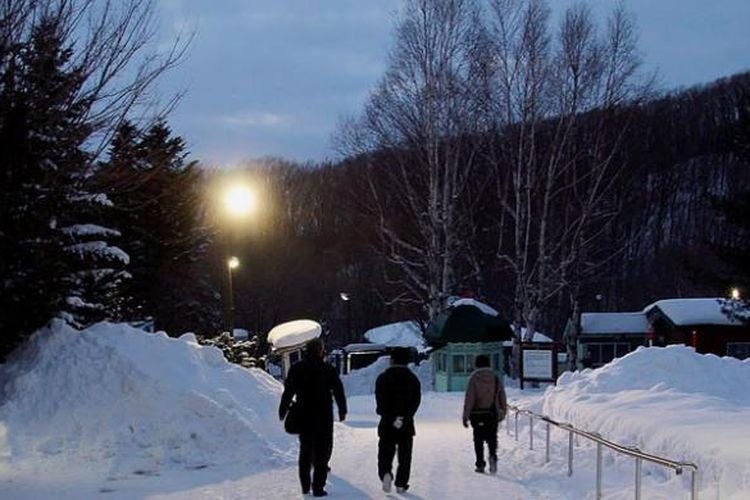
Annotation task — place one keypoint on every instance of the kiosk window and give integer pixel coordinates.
(459, 363)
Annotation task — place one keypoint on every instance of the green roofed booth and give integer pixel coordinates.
(465, 330)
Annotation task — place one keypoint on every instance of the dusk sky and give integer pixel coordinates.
(273, 78)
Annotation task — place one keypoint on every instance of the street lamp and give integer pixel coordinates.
(232, 264)
(240, 200)
(735, 293)
(346, 298)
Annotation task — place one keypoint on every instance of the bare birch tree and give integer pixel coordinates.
(559, 101)
(418, 133)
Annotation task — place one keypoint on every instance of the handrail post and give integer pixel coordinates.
(507, 422)
(638, 462)
(570, 452)
(546, 444)
(694, 484)
(531, 431)
(598, 471)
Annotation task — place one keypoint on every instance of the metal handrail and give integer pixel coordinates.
(634, 452)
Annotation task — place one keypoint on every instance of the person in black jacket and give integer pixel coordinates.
(398, 394)
(314, 382)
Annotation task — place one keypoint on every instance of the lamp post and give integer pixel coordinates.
(232, 264)
(239, 201)
(346, 297)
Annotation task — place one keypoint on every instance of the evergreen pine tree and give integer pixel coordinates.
(158, 195)
(50, 262)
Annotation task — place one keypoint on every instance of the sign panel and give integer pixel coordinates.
(537, 364)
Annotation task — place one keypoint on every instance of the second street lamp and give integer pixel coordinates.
(347, 298)
(232, 264)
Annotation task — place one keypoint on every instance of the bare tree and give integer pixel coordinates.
(114, 49)
(559, 101)
(418, 132)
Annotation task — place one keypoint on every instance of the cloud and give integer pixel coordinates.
(256, 119)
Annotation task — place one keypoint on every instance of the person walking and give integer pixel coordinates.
(314, 384)
(398, 394)
(485, 406)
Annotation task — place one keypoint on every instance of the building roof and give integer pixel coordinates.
(364, 347)
(479, 305)
(700, 311)
(613, 323)
(467, 323)
(401, 334)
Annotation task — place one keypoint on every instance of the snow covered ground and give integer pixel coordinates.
(116, 413)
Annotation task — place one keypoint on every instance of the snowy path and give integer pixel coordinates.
(442, 469)
(442, 464)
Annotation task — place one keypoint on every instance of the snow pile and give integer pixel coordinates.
(137, 402)
(402, 334)
(293, 333)
(669, 401)
(361, 382)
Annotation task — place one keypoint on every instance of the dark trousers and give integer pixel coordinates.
(486, 433)
(388, 445)
(314, 452)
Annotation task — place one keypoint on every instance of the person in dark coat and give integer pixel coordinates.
(314, 384)
(485, 406)
(398, 394)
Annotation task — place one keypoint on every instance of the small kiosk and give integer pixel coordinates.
(288, 341)
(465, 330)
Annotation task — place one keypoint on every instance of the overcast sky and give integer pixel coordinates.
(273, 77)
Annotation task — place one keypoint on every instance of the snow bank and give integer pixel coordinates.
(402, 334)
(138, 402)
(362, 381)
(669, 401)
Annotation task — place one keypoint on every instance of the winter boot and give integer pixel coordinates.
(493, 465)
(401, 489)
(387, 480)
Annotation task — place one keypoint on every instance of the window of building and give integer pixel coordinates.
(601, 353)
(440, 362)
(739, 350)
(459, 363)
(496, 361)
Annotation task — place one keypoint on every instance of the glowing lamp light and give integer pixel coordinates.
(233, 263)
(344, 296)
(240, 200)
(735, 294)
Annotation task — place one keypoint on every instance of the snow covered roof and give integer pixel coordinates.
(473, 302)
(605, 323)
(701, 311)
(294, 333)
(364, 347)
(538, 337)
(401, 334)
